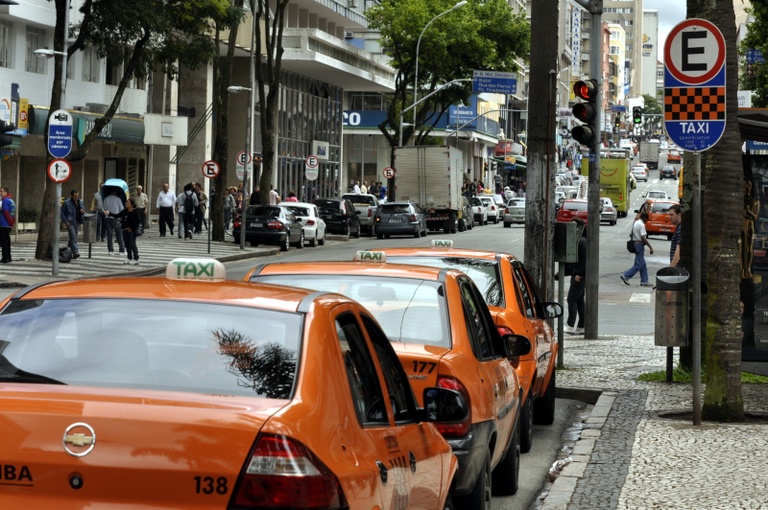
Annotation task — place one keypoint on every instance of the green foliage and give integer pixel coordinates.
(680, 375)
(755, 39)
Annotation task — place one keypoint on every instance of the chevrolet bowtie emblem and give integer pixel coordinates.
(79, 439)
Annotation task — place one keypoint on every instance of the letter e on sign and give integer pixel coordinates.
(211, 169)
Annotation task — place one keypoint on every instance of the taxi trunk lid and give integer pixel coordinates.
(80, 448)
(421, 364)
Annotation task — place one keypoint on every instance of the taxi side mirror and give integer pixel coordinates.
(552, 309)
(442, 404)
(516, 345)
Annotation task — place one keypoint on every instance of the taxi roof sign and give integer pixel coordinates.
(200, 269)
(442, 243)
(370, 256)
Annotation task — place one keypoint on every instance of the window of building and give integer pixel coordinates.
(35, 41)
(6, 44)
(91, 65)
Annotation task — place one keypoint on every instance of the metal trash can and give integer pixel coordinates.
(672, 298)
(89, 227)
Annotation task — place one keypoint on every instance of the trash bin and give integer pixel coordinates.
(89, 227)
(672, 298)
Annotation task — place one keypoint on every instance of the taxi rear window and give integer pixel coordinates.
(409, 310)
(151, 344)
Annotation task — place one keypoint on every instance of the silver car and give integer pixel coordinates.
(401, 218)
(608, 212)
(311, 222)
(479, 211)
(514, 212)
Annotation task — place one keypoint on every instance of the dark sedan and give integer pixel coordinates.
(270, 224)
(339, 215)
(668, 172)
(401, 218)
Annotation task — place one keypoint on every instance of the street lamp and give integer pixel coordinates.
(418, 43)
(416, 103)
(248, 127)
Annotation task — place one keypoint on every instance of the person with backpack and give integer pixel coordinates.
(188, 201)
(7, 221)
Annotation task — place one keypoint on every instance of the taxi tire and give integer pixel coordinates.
(480, 497)
(544, 406)
(526, 426)
(506, 476)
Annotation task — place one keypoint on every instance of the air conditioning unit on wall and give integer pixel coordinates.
(353, 3)
(349, 35)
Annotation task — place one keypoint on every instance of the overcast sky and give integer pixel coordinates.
(671, 12)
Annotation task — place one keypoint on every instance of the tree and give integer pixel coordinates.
(652, 110)
(141, 34)
(755, 40)
(481, 35)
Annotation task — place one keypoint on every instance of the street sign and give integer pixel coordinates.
(311, 170)
(60, 134)
(59, 170)
(211, 169)
(311, 162)
(694, 84)
(389, 172)
(243, 158)
(494, 82)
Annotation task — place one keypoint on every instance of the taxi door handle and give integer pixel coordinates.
(382, 472)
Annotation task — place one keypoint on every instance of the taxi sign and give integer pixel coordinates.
(442, 243)
(195, 269)
(370, 256)
(694, 84)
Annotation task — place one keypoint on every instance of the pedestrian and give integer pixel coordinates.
(130, 219)
(202, 204)
(113, 205)
(576, 291)
(229, 206)
(254, 198)
(382, 191)
(356, 188)
(166, 203)
(291, 197)
(142, 204)
(373, 189)
(188, 203)
(72, 212)
(675, 218)
(7, 220)
(364, 188)
(274, 196)
(97, 207)
(640, 238)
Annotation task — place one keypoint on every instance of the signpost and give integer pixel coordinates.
(243, 164)
(59, 171)
(59, 146)
(311, 170)
(60, 134)
(694, 117)
(494, 82)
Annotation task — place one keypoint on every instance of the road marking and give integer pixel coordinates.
(640, 297)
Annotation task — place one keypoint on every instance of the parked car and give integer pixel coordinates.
(444, 335)
(571, 208)
(494, 210)
(514, 212)
(467, 219)
(340, 216)
(270, 224)
(309, 216)
(668, 172)
(658, 217)
(640, 173)
(608, 212)
(401, 218)
(479, 211)
(206, 392)
(511, 296)
(367, 206)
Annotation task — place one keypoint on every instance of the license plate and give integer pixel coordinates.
(256, 225)
(394, 220)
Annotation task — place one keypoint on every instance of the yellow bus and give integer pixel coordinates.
(614, 180)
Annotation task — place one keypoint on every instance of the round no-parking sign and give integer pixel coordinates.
(311, 170)
(59, 170)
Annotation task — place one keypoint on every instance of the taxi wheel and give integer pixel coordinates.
(448, 503)
(526, 426)
(506, 476)
(544, 407)
(480, 497)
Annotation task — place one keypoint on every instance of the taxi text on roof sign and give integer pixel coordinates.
(370, 256)
(442, 243)
(195, 269)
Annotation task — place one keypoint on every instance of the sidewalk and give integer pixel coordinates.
(629, 456)
(154, 253)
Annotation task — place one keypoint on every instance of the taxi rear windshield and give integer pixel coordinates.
(409, 310)
(151, 344)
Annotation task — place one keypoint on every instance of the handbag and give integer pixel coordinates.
(139, 230)
(631, 245)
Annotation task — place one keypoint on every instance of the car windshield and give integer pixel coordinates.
(409, 310)
(485, 273)
(328, 206)
(575, 206)
(298, 211)
(516, 203)
(360, 199)
(395, 209)
(476, 201)
(264, 211)
(151, 344)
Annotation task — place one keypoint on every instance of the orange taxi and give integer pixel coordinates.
(658, 217)
(190, 391)
(511, 296)
(444, 336)
(674, 156)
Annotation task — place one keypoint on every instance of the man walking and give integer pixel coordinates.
(142, 205)
(640, 238)
(577, 288)
(97, 206)
(166, 203)
(113, 206)
(7, 220)
(187, 201)
(675, 218)
(72, 216)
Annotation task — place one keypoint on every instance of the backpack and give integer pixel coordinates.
(189, 203)
(65, 254)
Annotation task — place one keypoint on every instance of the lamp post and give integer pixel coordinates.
(248, 128)
(46, 53)
(418, 43)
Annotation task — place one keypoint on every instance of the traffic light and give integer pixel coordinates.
(4, 128)
(637, 115)
(586, 112)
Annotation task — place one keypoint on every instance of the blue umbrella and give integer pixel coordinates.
(115, 184)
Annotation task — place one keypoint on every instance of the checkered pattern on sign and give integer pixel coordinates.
(694, 103)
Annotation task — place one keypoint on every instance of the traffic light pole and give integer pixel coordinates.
(593, 194)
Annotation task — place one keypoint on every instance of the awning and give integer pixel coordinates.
(120, 129)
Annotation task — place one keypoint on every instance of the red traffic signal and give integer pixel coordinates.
(585, 111)
(586, 90)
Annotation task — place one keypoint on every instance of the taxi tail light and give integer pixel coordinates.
(283, 473)
(454, 429)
